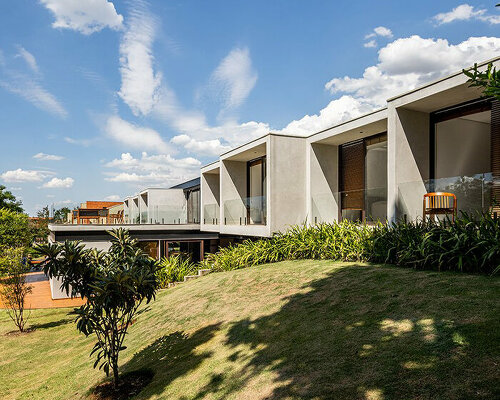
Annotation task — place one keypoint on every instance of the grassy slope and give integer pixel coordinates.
(289, 330)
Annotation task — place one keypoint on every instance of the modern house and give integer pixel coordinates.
(441, 137)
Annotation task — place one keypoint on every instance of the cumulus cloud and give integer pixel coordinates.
(234, 78)
(403, 65)
(140, 83)
(47, 157)
(409, 62)
(22, 175)
(162, 169)
(59, 183)
(87, 16)
(466, 12)
(207, 147)
(135, 137)
(29, 59)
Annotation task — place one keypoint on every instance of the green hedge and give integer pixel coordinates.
(174, 269)
(467, 245)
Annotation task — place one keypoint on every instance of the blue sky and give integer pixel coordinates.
(100, 98)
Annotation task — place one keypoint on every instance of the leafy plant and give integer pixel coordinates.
(115, 283)
(13, 287)
(9, 201)
(174, 269)
(488, 80)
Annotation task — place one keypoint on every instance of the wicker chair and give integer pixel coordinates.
(440, 203)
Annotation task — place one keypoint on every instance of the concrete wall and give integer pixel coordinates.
(210, 197)
(286, 174)
(323, 183)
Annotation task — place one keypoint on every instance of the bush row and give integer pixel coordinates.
(470, 244)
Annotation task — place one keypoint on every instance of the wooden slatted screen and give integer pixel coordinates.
(495, 154)
(352, 169)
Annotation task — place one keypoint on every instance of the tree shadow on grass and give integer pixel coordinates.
(370, 333)
(171, 357)
(52, 324)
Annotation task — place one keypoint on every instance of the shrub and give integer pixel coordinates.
(470, 244)
(174, 269)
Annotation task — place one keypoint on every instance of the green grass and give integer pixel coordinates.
(301, 329)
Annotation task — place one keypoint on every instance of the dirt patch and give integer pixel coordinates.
(17, 332)
(129, 386)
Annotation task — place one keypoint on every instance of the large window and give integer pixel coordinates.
(463, 159)
(256, 188)
(363, 179)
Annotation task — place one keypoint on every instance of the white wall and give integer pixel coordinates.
(210, 197)
(323, 183)
(286, 176)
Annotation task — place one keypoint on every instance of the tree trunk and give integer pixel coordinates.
(115, 373)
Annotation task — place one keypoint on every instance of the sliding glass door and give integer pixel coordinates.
(363, 179)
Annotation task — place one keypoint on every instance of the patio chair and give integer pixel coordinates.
(440, 203)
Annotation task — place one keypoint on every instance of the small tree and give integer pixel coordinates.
(115, 283)
(488, 79)
(15, 230)
(14, 287)
(61, 214)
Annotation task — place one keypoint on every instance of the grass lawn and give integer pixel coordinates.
(292, 330)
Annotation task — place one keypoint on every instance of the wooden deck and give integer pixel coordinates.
(41, 296)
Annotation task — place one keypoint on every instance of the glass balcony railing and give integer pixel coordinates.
(246, 211)
(211, 214)
(474, 194)
(369, 205)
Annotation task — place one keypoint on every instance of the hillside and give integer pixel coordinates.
(304, 329)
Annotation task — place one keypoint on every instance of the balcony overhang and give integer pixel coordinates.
(213, 168)
(358, 128)
(249, 151)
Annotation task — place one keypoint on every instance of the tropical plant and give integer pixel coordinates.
(114, 283)
(488, 80)
(9, 201)
(174, 269)
(61, 214)
(13, 287)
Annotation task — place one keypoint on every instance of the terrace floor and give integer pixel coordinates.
(41, 297)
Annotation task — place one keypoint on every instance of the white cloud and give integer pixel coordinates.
(87, 16)
(57, 183)
(403, 65)
(134, 136)
(410, 62)
(21, 175)
(234, 78)
(466, 12)
(207, 147)
(140, 83)
(113, 197)
(370, 44)
(63, 202)
(47, 157)
(31, 90)
(29, 59)
(162, 169)
(380, 31)
(79, 142)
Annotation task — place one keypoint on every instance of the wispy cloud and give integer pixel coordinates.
(29, 59)
(233, 79)
(86, 16)
(135, 137)
(379, 31)
(140, 83)
(466, 12)
(47, 157)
